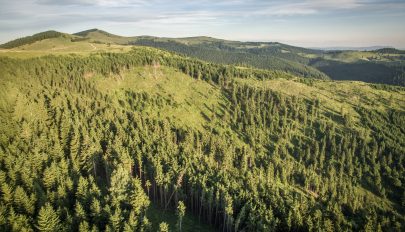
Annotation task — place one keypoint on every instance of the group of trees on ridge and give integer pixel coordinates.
(31, 39)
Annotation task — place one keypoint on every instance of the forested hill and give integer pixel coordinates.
(32, 39)
(385, 66)
(148, 140)
(249, 54)
(101, 36)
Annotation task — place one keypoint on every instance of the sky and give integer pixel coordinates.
(308, 23)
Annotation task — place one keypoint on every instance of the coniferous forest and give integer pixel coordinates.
(95, 142)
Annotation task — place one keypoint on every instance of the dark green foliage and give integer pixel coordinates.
(78, 39)
(32, 39)
(390, 51)
(374, 72)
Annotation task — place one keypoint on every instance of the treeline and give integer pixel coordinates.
(390, 51)
(31, 39)
(77, 159)
(114, 64)
(222, 53)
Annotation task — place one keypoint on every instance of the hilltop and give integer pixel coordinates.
(101, 36)
(34, 38)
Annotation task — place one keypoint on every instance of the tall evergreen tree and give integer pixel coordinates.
(48, 219)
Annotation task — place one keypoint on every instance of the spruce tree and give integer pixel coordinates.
(163, 227)
(48, 219)
(181, 210)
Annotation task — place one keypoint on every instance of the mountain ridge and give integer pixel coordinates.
(328, 48)
(385, 65)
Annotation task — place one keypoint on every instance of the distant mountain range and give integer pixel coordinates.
(370, 48)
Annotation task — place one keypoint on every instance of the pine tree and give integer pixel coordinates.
(48, 220)
(84, 226)
(181, 210)
(22, 201)
(116, 219)
(147, 186)
(119, 189)
(163, 227)
(7, 192)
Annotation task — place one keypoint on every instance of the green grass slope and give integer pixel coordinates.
(61, 46)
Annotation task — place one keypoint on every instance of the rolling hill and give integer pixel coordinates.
(385, 66)
(32, 39)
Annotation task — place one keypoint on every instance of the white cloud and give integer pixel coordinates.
(309, 7)
(105, 3)
(335, 4)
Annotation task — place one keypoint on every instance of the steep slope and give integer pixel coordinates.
(90, 141)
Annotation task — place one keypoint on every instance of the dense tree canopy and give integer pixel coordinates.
(76, 157)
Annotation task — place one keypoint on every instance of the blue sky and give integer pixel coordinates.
(310, 23)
